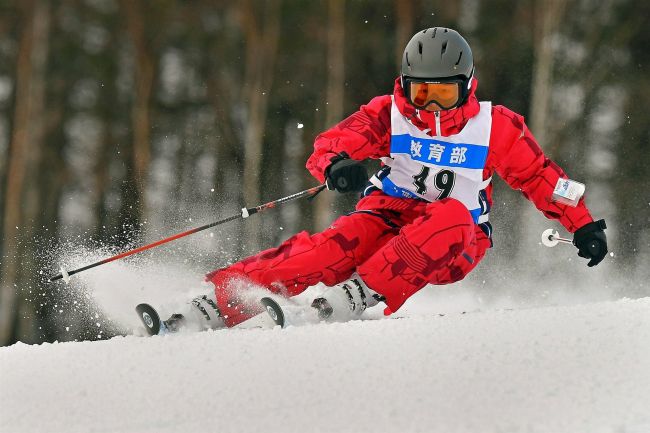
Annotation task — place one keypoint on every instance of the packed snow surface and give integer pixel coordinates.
(581, 368)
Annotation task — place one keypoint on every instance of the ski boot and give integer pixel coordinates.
(346, 301)
(202, 314)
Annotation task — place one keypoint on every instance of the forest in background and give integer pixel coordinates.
(122, 121)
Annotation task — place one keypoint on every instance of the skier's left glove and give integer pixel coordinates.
(591, 242)
(346, 175)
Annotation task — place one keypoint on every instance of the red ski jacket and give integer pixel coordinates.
(513, 152)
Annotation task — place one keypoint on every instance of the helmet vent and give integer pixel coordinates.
(460, 56)
(407, 60)
(444, 48)
(420, 47)
(434, 32)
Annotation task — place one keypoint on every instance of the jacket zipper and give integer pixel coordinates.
(437, 116)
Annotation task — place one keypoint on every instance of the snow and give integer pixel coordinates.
(579, 368)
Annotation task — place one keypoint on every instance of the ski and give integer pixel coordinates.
(270, 316)
(274, 310)
(289, 312)
(150, 319)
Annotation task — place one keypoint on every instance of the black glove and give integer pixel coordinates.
(345, 175)
(591, 242)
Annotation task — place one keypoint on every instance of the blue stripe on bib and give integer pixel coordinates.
(393, 190)
(390, 188)
(438, 152)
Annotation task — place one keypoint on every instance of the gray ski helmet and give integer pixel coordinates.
(437, 52)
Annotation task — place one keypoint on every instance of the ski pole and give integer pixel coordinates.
(551, 238)
(245, 213)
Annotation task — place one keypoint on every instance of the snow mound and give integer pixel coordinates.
(571, 369)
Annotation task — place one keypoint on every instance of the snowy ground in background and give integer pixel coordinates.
(580, 368)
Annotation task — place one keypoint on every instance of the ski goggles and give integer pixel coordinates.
(445, 94)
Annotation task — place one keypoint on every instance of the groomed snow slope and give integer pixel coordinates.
(571, 369)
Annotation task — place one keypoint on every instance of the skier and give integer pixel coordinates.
(423, 218)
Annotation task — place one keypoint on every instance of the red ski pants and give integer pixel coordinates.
(396, 245)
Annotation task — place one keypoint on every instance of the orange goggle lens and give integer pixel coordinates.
(445, 95)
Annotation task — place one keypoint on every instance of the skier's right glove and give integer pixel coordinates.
(591, 242)
(346, 175)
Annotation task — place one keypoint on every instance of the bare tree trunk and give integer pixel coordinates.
(141, 109)
(25, 149)
(546, 23)
(548, 16)
(335, 93)
(102, 177)
(404, 31)
(108, 113)
(262, 37)
(220, 46)
(228, 145)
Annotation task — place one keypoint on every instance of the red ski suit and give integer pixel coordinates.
(399, 245)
